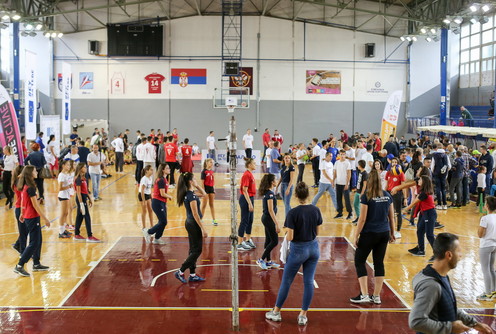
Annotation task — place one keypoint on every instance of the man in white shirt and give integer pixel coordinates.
(118, 145)
(140, 152)
(326, 180)
(368, 158)
(248, 143)
(315, 159)
(95, 161)
(342, 176)
(149, 154)
(360, 151)
(211, 147)
(323, 154)
(96, 139)
(350, 156)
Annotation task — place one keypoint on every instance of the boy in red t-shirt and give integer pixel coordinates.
(171, 152)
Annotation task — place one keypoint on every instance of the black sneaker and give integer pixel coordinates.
(65, 235)
(418, 253)
(355, 221)
(40, 267)
(20, 270)
(413, 250)
(431, 259)
(438, 225)
(360, 299)
(349, 216)
(339, 215)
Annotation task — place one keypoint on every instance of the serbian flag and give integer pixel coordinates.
(188, 76)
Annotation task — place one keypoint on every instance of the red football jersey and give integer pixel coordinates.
(170, 152)
(248, 180)
(154, 83)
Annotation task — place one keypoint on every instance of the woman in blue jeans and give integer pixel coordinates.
(302, 224)
(288, 175)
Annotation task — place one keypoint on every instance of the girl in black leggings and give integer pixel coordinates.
(374, 231)
(269, 220)
(186, 188)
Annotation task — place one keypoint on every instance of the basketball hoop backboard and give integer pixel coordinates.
(234, 97)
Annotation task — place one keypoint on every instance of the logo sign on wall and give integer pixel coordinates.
(188, 76)
(391, 115)
(86, 82)
(117, 84)
(323, 82)
(9, 125)
(244, 79)
(154, 83)
(30, 97)
(376, 87)
(66, 98)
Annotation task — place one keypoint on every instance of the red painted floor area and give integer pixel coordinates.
(124, 278)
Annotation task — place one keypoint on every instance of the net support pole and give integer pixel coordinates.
(234, 233)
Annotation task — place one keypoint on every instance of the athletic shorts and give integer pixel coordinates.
(63, 199)
(147, 197)
(209, 190)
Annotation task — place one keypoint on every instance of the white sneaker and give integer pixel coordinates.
(375, 299)
(445, 207)
(146, 235)
(439, 207)
(172, 186)
(274, 316)
(360, 299)
(242, 247)
(246, 245)
(158, 242)
(302, 320)
(251, 243)
(397, 235)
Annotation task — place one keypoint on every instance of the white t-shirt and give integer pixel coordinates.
(9, 162)
(342, 168)
(359, 152)
(65, 180)
(94, 140)
(322, 155)
(367, 157)
(383, 180)
(351, 154)
(489, 223)
(118, 144)
(316, 151)
(211, 142)
(329, 168)
(481, 180)
(149, 153)
(92, 157)
(299, 156)
(267, 156)
(148, 183)
(248, 140)
(73, 157)
(140, 152)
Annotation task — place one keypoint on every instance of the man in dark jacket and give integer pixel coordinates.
(391, 146)
(486, 160)
(434, 308)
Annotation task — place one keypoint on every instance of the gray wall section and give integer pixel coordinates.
(427, 104)
(475, 96)
(297, 121)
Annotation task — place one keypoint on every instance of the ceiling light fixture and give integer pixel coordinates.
(447, 21)
(473, 20)
(414, 38)
(16, 17)
(458, 20)
(59, 35)
(433, 30)
(428, 39)
(473, 8)
(47, 34)
(485, 8)
(38, 27)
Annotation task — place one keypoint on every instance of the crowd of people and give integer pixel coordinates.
(385, 182)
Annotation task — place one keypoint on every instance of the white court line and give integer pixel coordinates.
(89, 271)
(386, 283)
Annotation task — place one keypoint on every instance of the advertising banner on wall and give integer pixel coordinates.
(30, 95)
(323, 82)
(188, 76)
(9, 125)
(154, 83)
(50, 125)
(244, 79)
(86, 82)
(391, 115)
(66, 99)
(221, 157)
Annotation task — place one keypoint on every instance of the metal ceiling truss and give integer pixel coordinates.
(398, 15)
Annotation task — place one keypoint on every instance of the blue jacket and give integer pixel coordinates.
(36, 159)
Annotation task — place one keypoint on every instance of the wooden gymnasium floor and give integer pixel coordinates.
(125, 286)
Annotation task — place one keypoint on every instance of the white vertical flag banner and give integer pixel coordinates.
(391, 115)
(50, 125)
(66, 99)
(30, 95)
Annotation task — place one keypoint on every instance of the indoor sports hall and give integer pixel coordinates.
(146, 145)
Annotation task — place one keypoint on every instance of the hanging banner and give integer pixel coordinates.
(30, 97)
(391, 115)
(9, 125)
(323, 82)
(117, 84)
(86, 82)
(154, 83)
(188, 76)
(66, 99)
(244, 79)
(50, 125)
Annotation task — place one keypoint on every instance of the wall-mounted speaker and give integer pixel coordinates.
(94, 47)
(370, 50)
